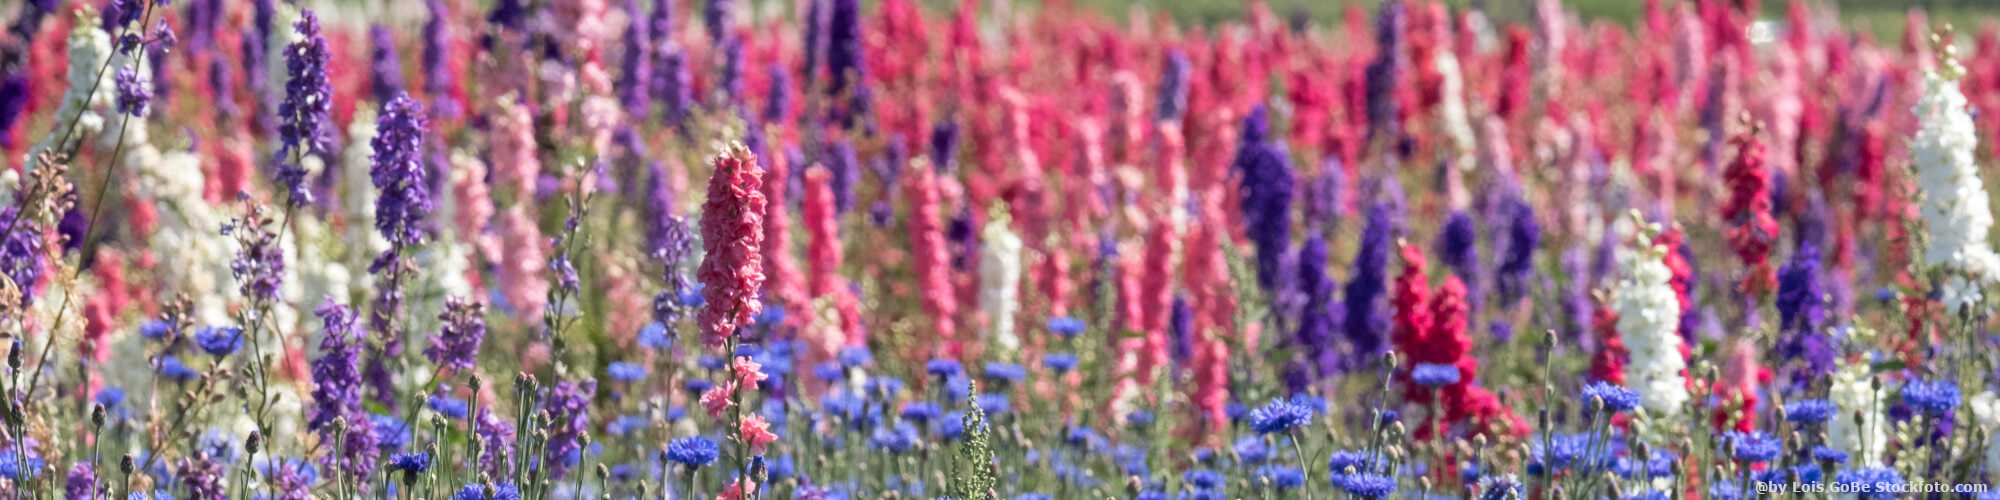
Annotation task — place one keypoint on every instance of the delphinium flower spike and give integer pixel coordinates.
(732, 233)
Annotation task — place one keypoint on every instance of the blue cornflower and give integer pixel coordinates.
(692, 299)
(625, 425)
(1033, 496)
(942, 367)
(219, 341)
(163, 495)
(154, 329)
(1868, 483)
(1725, 489)
(110, 397)
(1139, 418)
(952, 426)
(1343, 460)
(697, 386)
(626, 372)
(994, 403)
(921, 412)
(419, 462)
(449, 407)
(1934, 397)
(1203, 478)
(1754, 446)
(829, 371)
(1007, 372)
(693, 451)
(1283, 477)
(1434, 374)
(855, 356)
(1280, 416)
(1251, 449)
(708, 362)
(1823, 453)
(1808, 474)
(1065, 326)
(654, 336)
(172, 368)
(390, 432)
(1367, 485)
(1617, 399)
(477, 491)
(10, 465)
(1501, 487)
(1060, 362)
(1809, 411)
(896, 439)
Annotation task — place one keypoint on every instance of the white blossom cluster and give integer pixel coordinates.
(1000, 282)
(90, 90)
(1952, 198)
(1648, 316)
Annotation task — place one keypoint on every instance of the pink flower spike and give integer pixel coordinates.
(757, 432)
(747, 372)
(717, 399)
(732, 235)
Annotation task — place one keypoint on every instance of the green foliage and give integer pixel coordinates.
(975, 472)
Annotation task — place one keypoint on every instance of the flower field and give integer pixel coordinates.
(625, 249)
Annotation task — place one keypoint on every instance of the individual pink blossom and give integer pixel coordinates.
(718, 398)
(732, 238)
(737, 491)
(522, 281)
(757, 433)
(747, 372)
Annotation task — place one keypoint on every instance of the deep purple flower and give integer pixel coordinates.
(670, 83)
(635, 62)
(731, 80)
(496, 437)
(403, 198)
(1458, 248)
(308, 97)
(438, 77)
(203, 477)
(1517, 255)
(21, 253)
(385, 70)
(1174, 77)
(81, 483)
(1326, 197)
(1801, 308)
(568, 405)
(1366, 324)
(1385, 72)
(256, 78)
(13, 98)
(846, 62)
(944, 147)
(716, 16)
(133, 97)
(778, 100)
(1180, 324)
(456, 345)
(814, 40)
(840, 160)
(1316, 321)
(1267, 181)
(336, 374)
